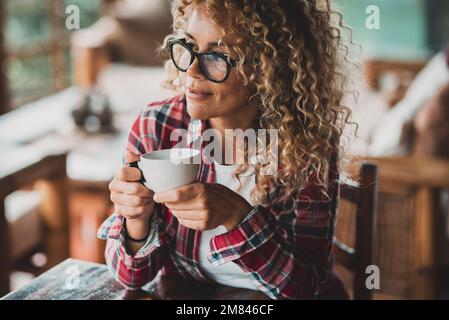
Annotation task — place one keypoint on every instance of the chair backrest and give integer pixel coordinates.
(363, 194)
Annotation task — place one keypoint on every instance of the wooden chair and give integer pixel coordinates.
(363, 194)
(411, 247)
(49, 171)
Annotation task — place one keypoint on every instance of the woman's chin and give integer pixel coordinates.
(197, 110)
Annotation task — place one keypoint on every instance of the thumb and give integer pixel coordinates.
(131, 157)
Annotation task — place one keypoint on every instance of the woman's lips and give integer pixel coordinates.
(195, 94)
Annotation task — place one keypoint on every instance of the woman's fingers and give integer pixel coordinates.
(192, 204)
(133, 212)
(192, 224)
(124, 199)
(128, 174)
(132, 199)
(131, 188)
(183, 193)
(194, 215)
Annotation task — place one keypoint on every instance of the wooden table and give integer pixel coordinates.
(95, 282)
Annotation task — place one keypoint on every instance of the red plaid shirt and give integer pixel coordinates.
(287, 253)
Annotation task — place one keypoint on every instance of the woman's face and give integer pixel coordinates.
(222, 99)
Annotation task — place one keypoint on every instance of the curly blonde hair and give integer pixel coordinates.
(297, 54)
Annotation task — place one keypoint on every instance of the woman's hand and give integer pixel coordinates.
(132, 199)
(204, 206)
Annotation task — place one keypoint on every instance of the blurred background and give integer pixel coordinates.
(75, 73)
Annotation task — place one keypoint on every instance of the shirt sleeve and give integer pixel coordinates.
(288, 253)
(133, 271)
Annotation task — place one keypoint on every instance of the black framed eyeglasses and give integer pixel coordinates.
(215, 66)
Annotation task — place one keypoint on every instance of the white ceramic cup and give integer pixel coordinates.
(168, 168)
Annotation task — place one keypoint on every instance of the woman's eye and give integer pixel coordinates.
(215, 58)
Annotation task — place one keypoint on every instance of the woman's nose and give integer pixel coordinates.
(194, 70)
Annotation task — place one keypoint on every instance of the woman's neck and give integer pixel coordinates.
(242, 119)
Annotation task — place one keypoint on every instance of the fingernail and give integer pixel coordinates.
(155, 197)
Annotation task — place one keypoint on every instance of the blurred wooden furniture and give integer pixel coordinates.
(374, 69)
(49, 172)
(411, 188)
(363, 194)
(44, 125)
(90, 56)
(411, 244)
(90, 168)
(90, 205)
(410, 247)
(95, 282)
(126, 34)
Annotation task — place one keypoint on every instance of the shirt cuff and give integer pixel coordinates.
(253, 231)
(113, 229)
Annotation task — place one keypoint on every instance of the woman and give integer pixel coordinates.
(240, 65)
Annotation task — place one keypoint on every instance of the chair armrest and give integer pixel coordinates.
(409, 170)
(418, 171)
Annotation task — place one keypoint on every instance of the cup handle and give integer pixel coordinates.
(135, 164)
